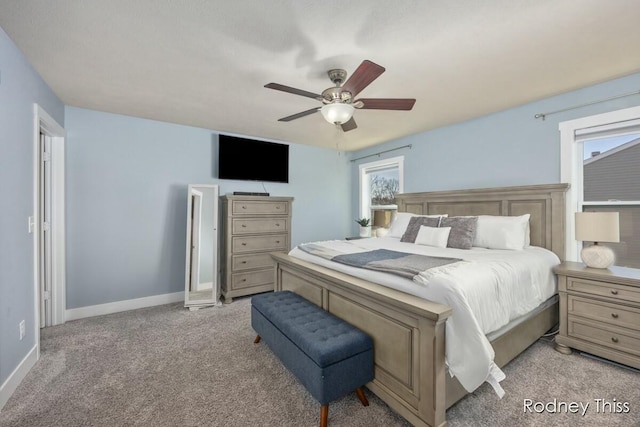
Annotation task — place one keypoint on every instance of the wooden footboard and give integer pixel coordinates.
(408, 334)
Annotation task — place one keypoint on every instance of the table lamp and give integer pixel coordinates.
(597, 227)
(381, 220)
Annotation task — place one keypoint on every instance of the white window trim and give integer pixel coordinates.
(571, 158)
(364, 168)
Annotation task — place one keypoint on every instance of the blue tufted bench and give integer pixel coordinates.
(329, 356)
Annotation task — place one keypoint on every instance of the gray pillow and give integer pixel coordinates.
(415, 222)
(463, 230)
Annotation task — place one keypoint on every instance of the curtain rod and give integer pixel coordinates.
(543, 115)
(382, 152)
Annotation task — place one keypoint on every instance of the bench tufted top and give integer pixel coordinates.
(322, 336)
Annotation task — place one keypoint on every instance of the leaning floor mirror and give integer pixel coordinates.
(201, 269)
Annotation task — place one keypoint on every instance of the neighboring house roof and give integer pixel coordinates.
(608, 153)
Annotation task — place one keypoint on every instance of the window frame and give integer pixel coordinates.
(366, 168)
(572, 136)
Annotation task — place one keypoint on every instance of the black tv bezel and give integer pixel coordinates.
(280, 150)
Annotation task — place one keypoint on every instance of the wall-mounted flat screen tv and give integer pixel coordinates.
(252, 160)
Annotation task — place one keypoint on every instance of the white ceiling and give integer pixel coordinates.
(204, 63)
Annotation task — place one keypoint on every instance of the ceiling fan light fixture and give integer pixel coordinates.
(337, 113)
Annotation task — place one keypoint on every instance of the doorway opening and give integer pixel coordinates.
(47, 223)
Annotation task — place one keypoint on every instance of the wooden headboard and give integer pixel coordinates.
(545, 203)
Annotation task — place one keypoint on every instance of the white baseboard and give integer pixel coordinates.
(118, 306)
(18, 374)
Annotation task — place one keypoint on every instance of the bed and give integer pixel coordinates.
(409, 331)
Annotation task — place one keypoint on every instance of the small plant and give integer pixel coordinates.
(364, 222)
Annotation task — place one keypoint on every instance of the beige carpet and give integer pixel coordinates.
(167, 366)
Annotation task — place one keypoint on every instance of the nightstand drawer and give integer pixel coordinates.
(251, 207)
(620, 339)
(618, 292)
(259, 225)
(273, 243)
(626, 317)
(255, 278)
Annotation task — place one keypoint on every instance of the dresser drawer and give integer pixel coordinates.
(622, 293)
(251, 279)
(614, 314)
(620, 339)
(273, 243)
(247, 262)
(259, 207)
(259, 225)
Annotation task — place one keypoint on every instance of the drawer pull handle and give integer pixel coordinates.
(614, 339)
(244, 207)
(244, 225)
(277, 207)
(244, 244)
(277, 225)
(244, 280)
(614, 292)
(614, 315)
(277, 241)
(243, 262)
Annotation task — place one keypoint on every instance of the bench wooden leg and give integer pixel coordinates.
(257, 340)
(324, 415)
(362, 397)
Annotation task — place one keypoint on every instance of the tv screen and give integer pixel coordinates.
(251, 160)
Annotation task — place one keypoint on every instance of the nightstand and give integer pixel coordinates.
(600, 312)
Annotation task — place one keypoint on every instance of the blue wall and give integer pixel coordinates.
(127, 193)
(502, 149)
(20, 88)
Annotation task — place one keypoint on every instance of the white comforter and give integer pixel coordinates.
(487, 291)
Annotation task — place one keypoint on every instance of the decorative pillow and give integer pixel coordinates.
(433, 236)
(415, 222)
(463, 230)
(502, 232)
(401, 221)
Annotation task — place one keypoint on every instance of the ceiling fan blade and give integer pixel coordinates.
(350, 125)
(293, 90)
(387, 103)
(362, 77)
(298, 115)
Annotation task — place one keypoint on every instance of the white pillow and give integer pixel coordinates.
(401, 222)
(502, 232)
(432, 236)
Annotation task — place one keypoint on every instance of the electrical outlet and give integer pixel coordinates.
(22, 330)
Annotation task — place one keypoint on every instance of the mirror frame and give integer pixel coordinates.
(215, 297)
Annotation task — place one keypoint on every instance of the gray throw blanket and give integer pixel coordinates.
(388, 261)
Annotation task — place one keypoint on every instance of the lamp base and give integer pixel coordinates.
(597, 256)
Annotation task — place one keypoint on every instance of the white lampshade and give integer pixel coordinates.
(598, 226)
(337, 113)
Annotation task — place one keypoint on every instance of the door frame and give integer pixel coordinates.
(44, 123)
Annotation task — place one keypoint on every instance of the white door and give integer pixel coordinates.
(45, 231)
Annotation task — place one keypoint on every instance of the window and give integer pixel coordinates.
(379, 183)
(611, 183)
(600, 158)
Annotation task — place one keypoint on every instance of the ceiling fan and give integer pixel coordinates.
(339, 100)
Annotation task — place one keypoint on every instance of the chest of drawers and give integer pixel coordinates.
(600, 312)
(252, 228)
